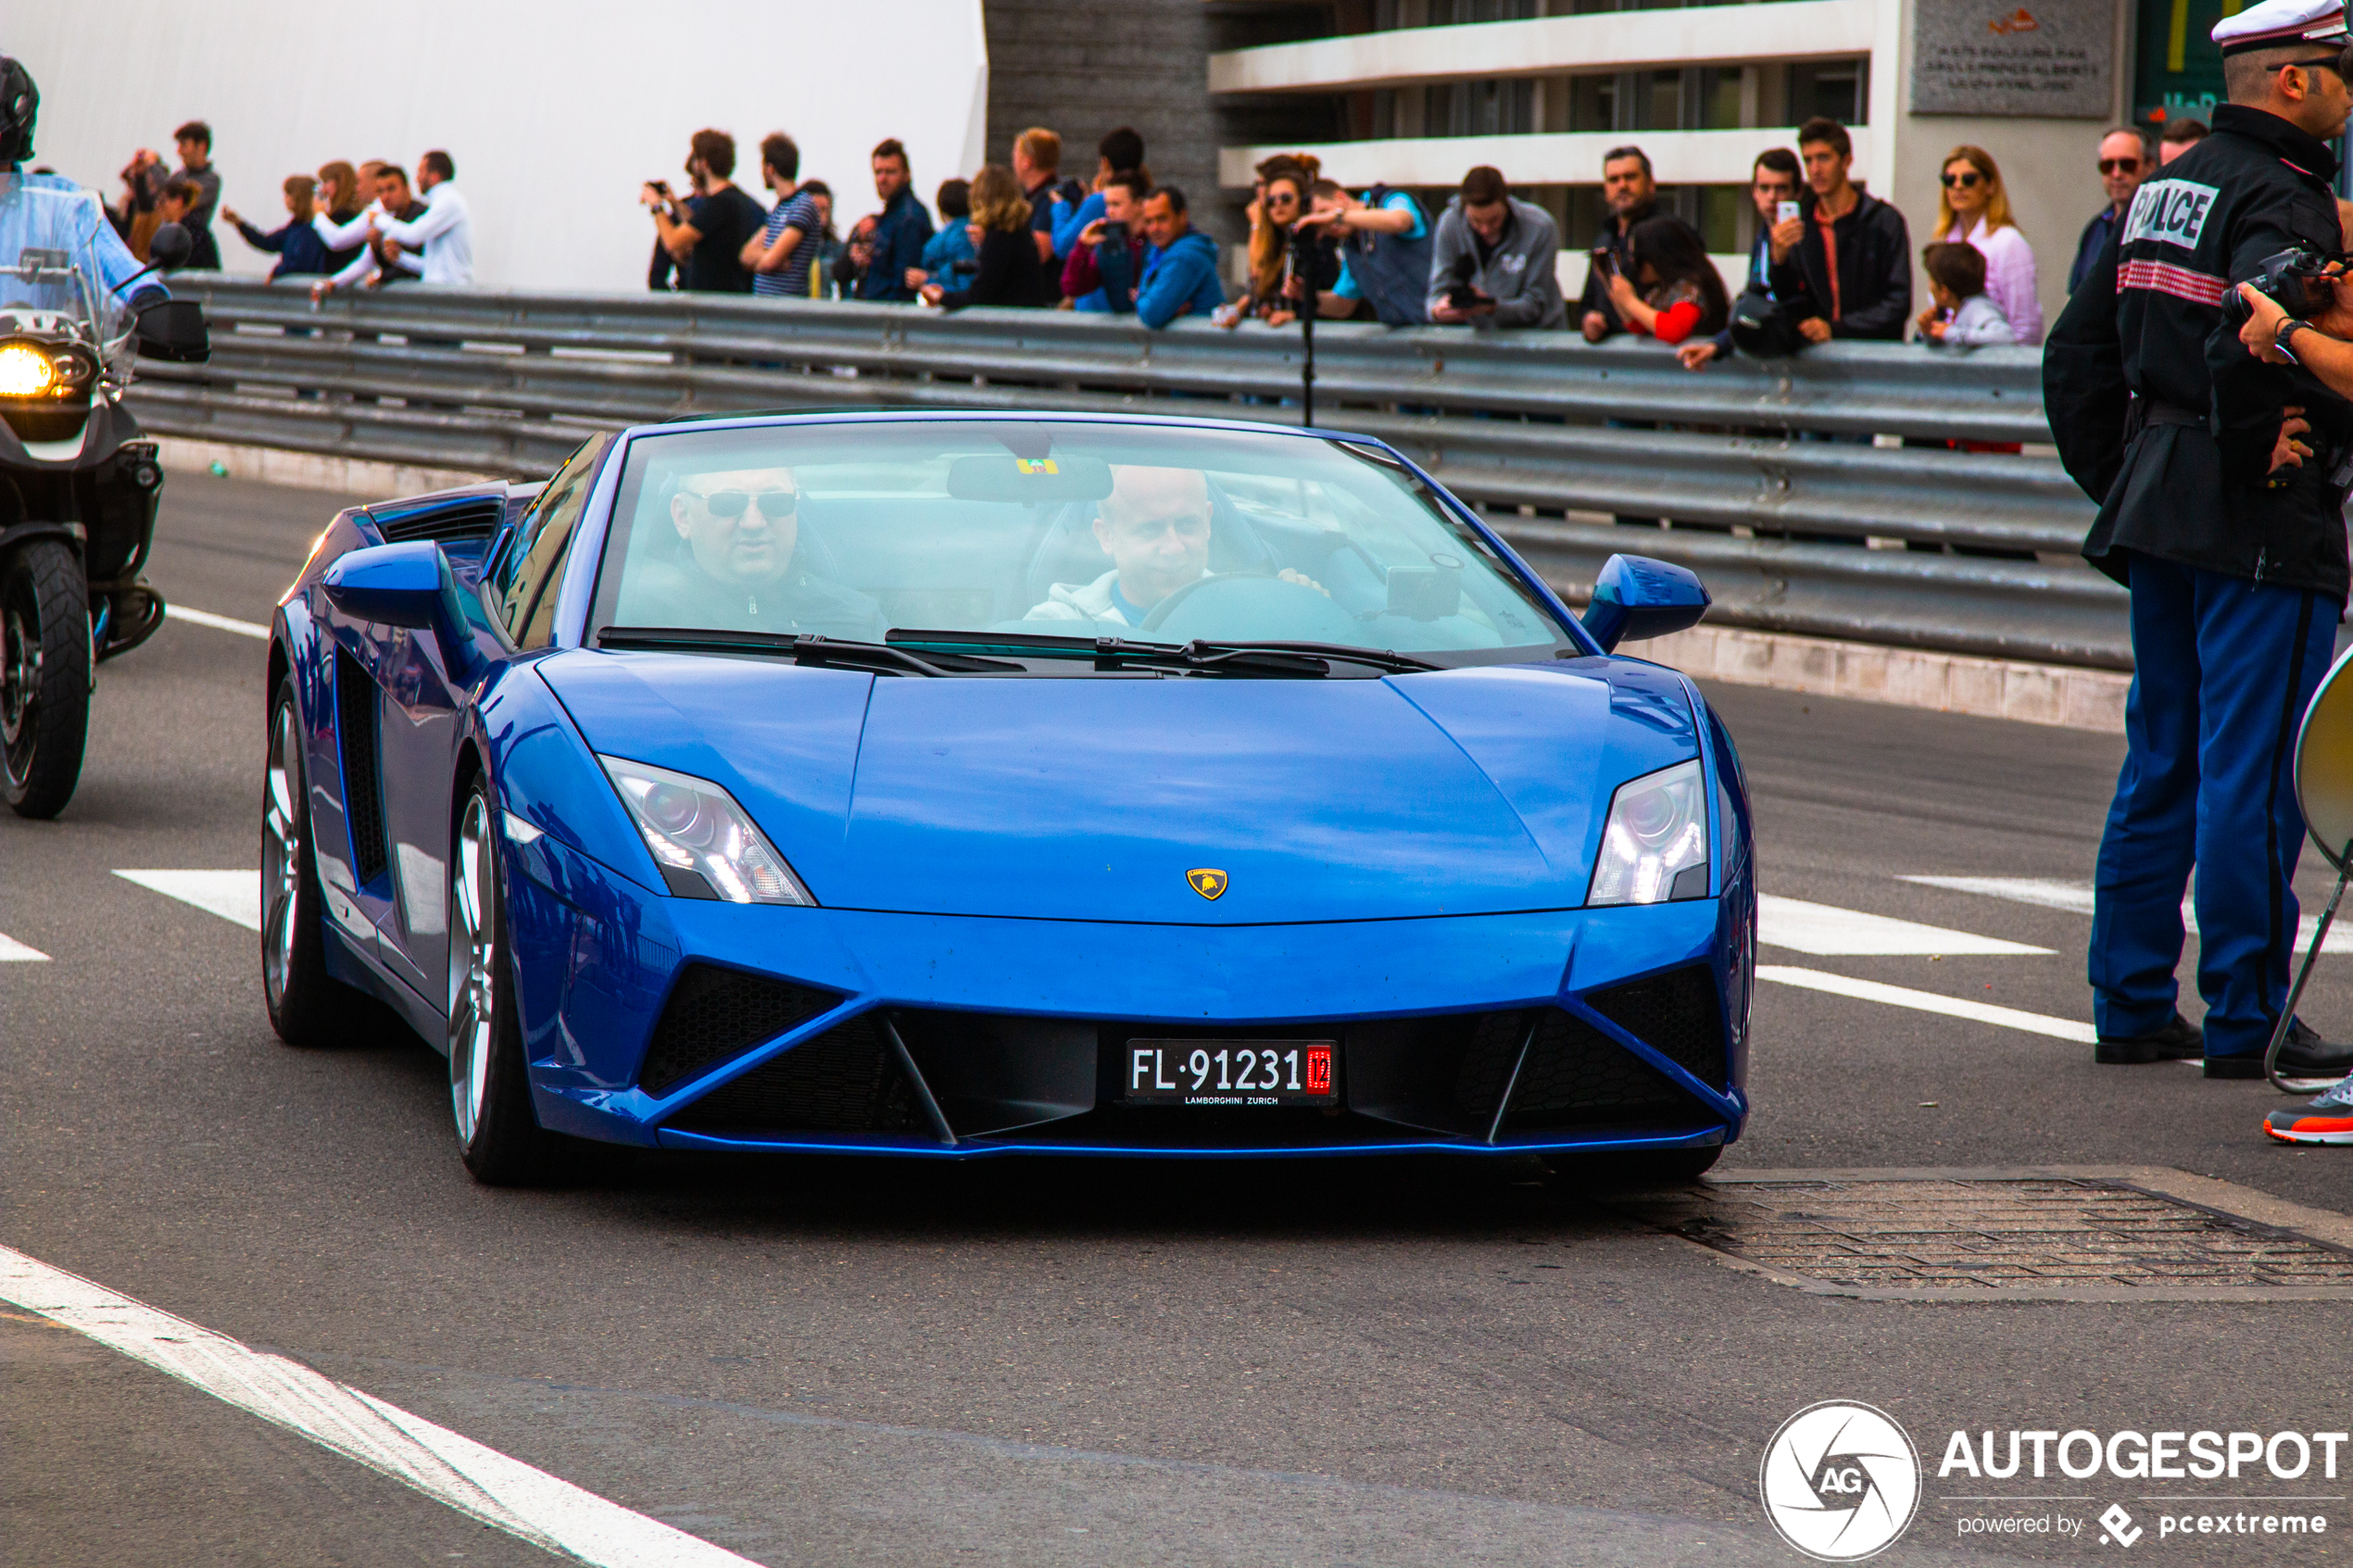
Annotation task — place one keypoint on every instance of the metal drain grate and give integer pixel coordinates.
(1957, 1237)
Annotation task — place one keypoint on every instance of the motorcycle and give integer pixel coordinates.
(79, 488)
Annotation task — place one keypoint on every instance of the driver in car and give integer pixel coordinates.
(1154, 525)
(735, 570)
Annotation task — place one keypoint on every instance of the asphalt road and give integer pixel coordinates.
(854, 1362)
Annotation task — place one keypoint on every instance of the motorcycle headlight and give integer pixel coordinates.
(25, 371)
(692, 825)
(1654, 845)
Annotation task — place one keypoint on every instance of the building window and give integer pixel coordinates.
(1838, 90)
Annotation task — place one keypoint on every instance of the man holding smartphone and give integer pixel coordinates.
(1773, 182)
(1632, 195)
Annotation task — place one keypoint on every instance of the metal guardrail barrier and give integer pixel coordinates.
(1767, 502)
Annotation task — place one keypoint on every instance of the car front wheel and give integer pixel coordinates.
(489, 1090)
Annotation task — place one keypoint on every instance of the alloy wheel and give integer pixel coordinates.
(281, 854)
(473, 964)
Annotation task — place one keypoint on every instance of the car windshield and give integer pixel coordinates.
(1026, 530)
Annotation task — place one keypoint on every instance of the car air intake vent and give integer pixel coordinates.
(1677, 1014)
(845, 1080)
(362, 782)
(475, 518)
(714, 1014)
(1574, 1076)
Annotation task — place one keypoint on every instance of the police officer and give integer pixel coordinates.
(2220, 511)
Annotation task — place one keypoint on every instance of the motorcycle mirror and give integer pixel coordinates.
(174, 329)
(171, 248)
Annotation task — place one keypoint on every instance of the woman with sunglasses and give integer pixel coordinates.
(1973, 209)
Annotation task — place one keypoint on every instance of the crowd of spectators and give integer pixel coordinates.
(346, 226)
(1829, 262)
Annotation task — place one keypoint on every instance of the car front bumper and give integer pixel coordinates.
(958, 1036)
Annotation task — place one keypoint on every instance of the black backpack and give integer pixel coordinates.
(1763, 326)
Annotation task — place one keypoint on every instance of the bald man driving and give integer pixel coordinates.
(1154, 525)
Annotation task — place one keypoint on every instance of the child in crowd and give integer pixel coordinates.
(1964, 312)
(949, 256)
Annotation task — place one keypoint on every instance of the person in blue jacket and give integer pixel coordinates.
(1180, 271)
(304, 253)
(884, 247)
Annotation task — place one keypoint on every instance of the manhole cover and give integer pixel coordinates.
(1961, 1235)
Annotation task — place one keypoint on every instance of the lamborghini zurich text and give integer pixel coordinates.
(955, 784)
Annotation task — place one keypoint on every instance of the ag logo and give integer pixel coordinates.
(1839, 1480)
(1207, 881)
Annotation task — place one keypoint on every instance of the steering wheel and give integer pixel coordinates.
(1249, 606)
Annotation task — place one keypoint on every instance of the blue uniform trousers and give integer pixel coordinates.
(2223, 669)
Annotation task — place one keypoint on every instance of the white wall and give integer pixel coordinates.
(554, 110)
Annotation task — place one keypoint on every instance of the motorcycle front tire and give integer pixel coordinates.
(45, 676)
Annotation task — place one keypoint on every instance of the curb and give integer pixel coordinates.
(2060, 695)
(306, 470)
(1989, 688)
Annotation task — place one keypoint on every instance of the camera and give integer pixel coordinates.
(2295, 279)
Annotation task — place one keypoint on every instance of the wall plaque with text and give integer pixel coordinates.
(2053, 57)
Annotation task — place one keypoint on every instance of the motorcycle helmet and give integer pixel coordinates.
(19, 103)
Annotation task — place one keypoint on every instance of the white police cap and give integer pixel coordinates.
(2275, 22)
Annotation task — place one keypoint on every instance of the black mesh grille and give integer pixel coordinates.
(844, 1081)
(464, 520)
(1491, 1045)
(1677, 1014)
(1575, 1076)
(362, 782)
(713, 1014)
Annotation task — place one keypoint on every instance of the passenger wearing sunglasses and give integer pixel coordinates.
(738, 536)
(1974, 210)
(2125, 160)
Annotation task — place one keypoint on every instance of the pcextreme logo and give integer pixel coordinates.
(1840, 1481)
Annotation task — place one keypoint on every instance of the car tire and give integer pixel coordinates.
(498, 1133)
(1659, 1167)
(44, 677)
(308, 1006)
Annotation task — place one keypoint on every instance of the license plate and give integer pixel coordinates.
(1231, 1072)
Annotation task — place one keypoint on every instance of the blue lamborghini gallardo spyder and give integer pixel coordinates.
(952, 784)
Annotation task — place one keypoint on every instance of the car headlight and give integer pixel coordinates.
(1654, 845)
(694, 826)
(25, 371)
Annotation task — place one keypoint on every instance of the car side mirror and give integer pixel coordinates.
(174, 329)
(406, 585)
(1635, 597)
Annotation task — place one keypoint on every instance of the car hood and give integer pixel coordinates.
(1459, 791)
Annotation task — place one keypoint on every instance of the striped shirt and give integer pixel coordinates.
(796, 211)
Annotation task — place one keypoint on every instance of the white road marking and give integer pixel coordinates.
(1827, 932)
(218, 623)
(2076, 898)
(478, 1482)
(1928, 1001)
(14, 951)
(234, 896)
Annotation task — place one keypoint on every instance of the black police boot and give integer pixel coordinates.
(2307, 1061)
(2178, 1041)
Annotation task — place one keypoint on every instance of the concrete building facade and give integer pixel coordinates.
(1417, 91)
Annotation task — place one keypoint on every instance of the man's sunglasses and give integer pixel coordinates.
(773, 504)
(1965, 180)
(2119, 164)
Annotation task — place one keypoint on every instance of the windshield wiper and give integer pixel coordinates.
(1120, 653)
(846, 653)
(1208, 658)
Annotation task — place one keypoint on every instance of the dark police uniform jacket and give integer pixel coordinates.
(2160, 413)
